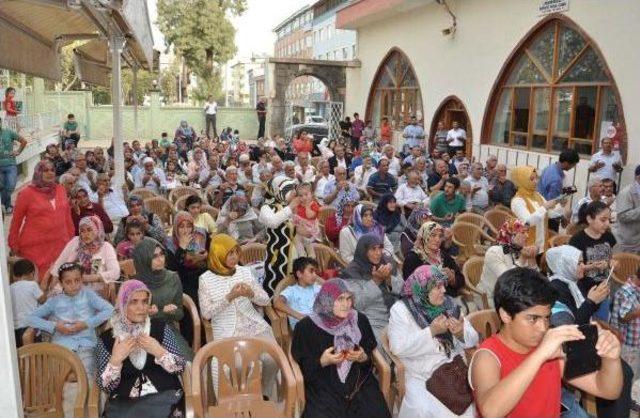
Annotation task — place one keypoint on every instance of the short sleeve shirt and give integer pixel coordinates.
(441, 207)
(7, 138)
(24, 294)
(70, 126)
(300, 299)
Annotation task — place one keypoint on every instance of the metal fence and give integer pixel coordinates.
(33, 126)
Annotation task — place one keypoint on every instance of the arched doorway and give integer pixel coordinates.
(395, 92)
(555, 92)
(452, 110)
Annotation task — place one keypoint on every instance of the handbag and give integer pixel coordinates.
(450, 386)
(156, 405)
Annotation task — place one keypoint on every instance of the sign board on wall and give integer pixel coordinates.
(552, 6)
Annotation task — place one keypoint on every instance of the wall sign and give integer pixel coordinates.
(552, 6)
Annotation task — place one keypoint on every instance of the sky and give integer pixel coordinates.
(254, 29)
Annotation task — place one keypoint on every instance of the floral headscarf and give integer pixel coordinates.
(38, 183)
(86, 251)
(345, 332)
(422, 237)
(359, 229)
(509, 229)
(123, 328)
(346, 199)
(416, 219)
(198, 240)
(415, 295)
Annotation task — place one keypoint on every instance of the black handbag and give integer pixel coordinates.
(450, 386)
(156, 405)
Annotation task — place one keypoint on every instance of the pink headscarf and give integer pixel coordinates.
(38, 183)
(86, 251)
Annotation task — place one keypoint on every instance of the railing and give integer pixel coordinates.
(34, 126)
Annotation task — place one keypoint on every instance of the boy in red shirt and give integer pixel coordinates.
(517, 372)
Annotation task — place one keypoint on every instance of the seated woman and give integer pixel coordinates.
(239, 220)
(425, 333)
(334, 224)
(509, 253)
(138, 359)
(418, 216)
(165, 287)
(427, 250)
(96, 256)
(371, 280)
(134, 231)
(333, 347)
(389, 214)
(229, 295)
(362, 222)
(153, 227)
(82, 207)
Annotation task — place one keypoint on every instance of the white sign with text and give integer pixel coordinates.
(552, 6)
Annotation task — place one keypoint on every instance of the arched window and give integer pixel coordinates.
(556, 92)
(395, 92)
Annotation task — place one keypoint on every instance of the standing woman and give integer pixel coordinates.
(389, 215)
(276, 215)
(138, 359)
(334, 346)
(41, 225)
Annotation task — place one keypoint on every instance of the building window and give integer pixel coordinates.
(345, 53)
(395, 92)
(556, 93)
(353, 51)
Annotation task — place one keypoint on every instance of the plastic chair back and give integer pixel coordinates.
(213, 212)
(628, 264)
(191, 308)
(485, 322)
(398, 382)
(143, 193)
(182, 191)
(558, 240)
(161, 207)
(325, 256)
(496, 217)
(252, 253)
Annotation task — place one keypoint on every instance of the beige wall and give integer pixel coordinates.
(469, 63)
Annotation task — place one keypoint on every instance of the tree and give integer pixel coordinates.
(201, 32)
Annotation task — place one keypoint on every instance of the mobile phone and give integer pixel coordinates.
(582, 356)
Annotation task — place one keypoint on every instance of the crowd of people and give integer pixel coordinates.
(387, 213)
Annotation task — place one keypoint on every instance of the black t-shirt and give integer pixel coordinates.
(593, 250)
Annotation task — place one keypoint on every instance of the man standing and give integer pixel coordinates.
(606, 162)
(210, 110)
(8, 167)
(413, 135)
(552, 180)
(357, 127)
(456, 138)
(628, 222)
(440, 138)
(261, 110)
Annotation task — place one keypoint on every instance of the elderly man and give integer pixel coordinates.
(410, 194)
(606, 163)
(340, 159)
(112, 200)
(489, 171)
(245, 171)
(257, 193)
(150, 177)
(413, 135)
(212, 176)
(628, 222)
(501, 189)
(69, 181)
(381, 182)
(340, 188)
(596, 190)
(362, 173)
(437, 179)
(394, 162)
(323, 178)
(305, 172)
(277, 166)
(479, 188)
(609, 197)
(230, 186)
(260, 165)
(86, 176)
(289, 168)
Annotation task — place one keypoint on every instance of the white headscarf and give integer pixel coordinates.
(563, 261)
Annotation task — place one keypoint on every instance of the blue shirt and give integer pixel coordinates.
(300, 299)
(414, 135)
(551, 181)
(86, 307)
(382, 185)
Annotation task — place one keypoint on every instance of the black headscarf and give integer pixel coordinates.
(384, 217)
(142, 257)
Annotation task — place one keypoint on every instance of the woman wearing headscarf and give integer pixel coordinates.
(418, 216)
(425, 333)
(389, 215)
(153, 227)
(333, 347)
(81, 207)
(96, 256)
(427, 250)
(510, 252)
(362, 223)
(344, 214)
(228, 298)
(370, 278)
(239, 220)
(277, 215)
(530, 207)
(185, 134)
(41, 225)
(165, 288)
(138, 359)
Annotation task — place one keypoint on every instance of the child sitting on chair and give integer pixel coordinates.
(134, 231)
(297, 300)
(306, 221)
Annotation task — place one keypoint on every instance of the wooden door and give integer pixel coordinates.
(452, 110)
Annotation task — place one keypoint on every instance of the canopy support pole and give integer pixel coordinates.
(117, 46)
(135, 101)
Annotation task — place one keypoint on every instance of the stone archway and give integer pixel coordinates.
(280, 73)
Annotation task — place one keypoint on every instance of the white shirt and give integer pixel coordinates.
(309, 175)
(24, 295)
(321, 185)
(394, 165)
(341, 162)
(407, 194)
(456, 137)
(112, 203)
(481, 198)
(151, 184)
(606, 171)
(255, 170)
(211, 108)
(361, 179)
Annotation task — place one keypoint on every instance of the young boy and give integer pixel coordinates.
(518, 372)
(626, 318)
(193, 205)
(25, 296)
(72, 316)
(297, 300)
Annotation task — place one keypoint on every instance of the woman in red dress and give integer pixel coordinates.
(41, 225)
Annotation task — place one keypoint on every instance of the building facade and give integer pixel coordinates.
(525, 80)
